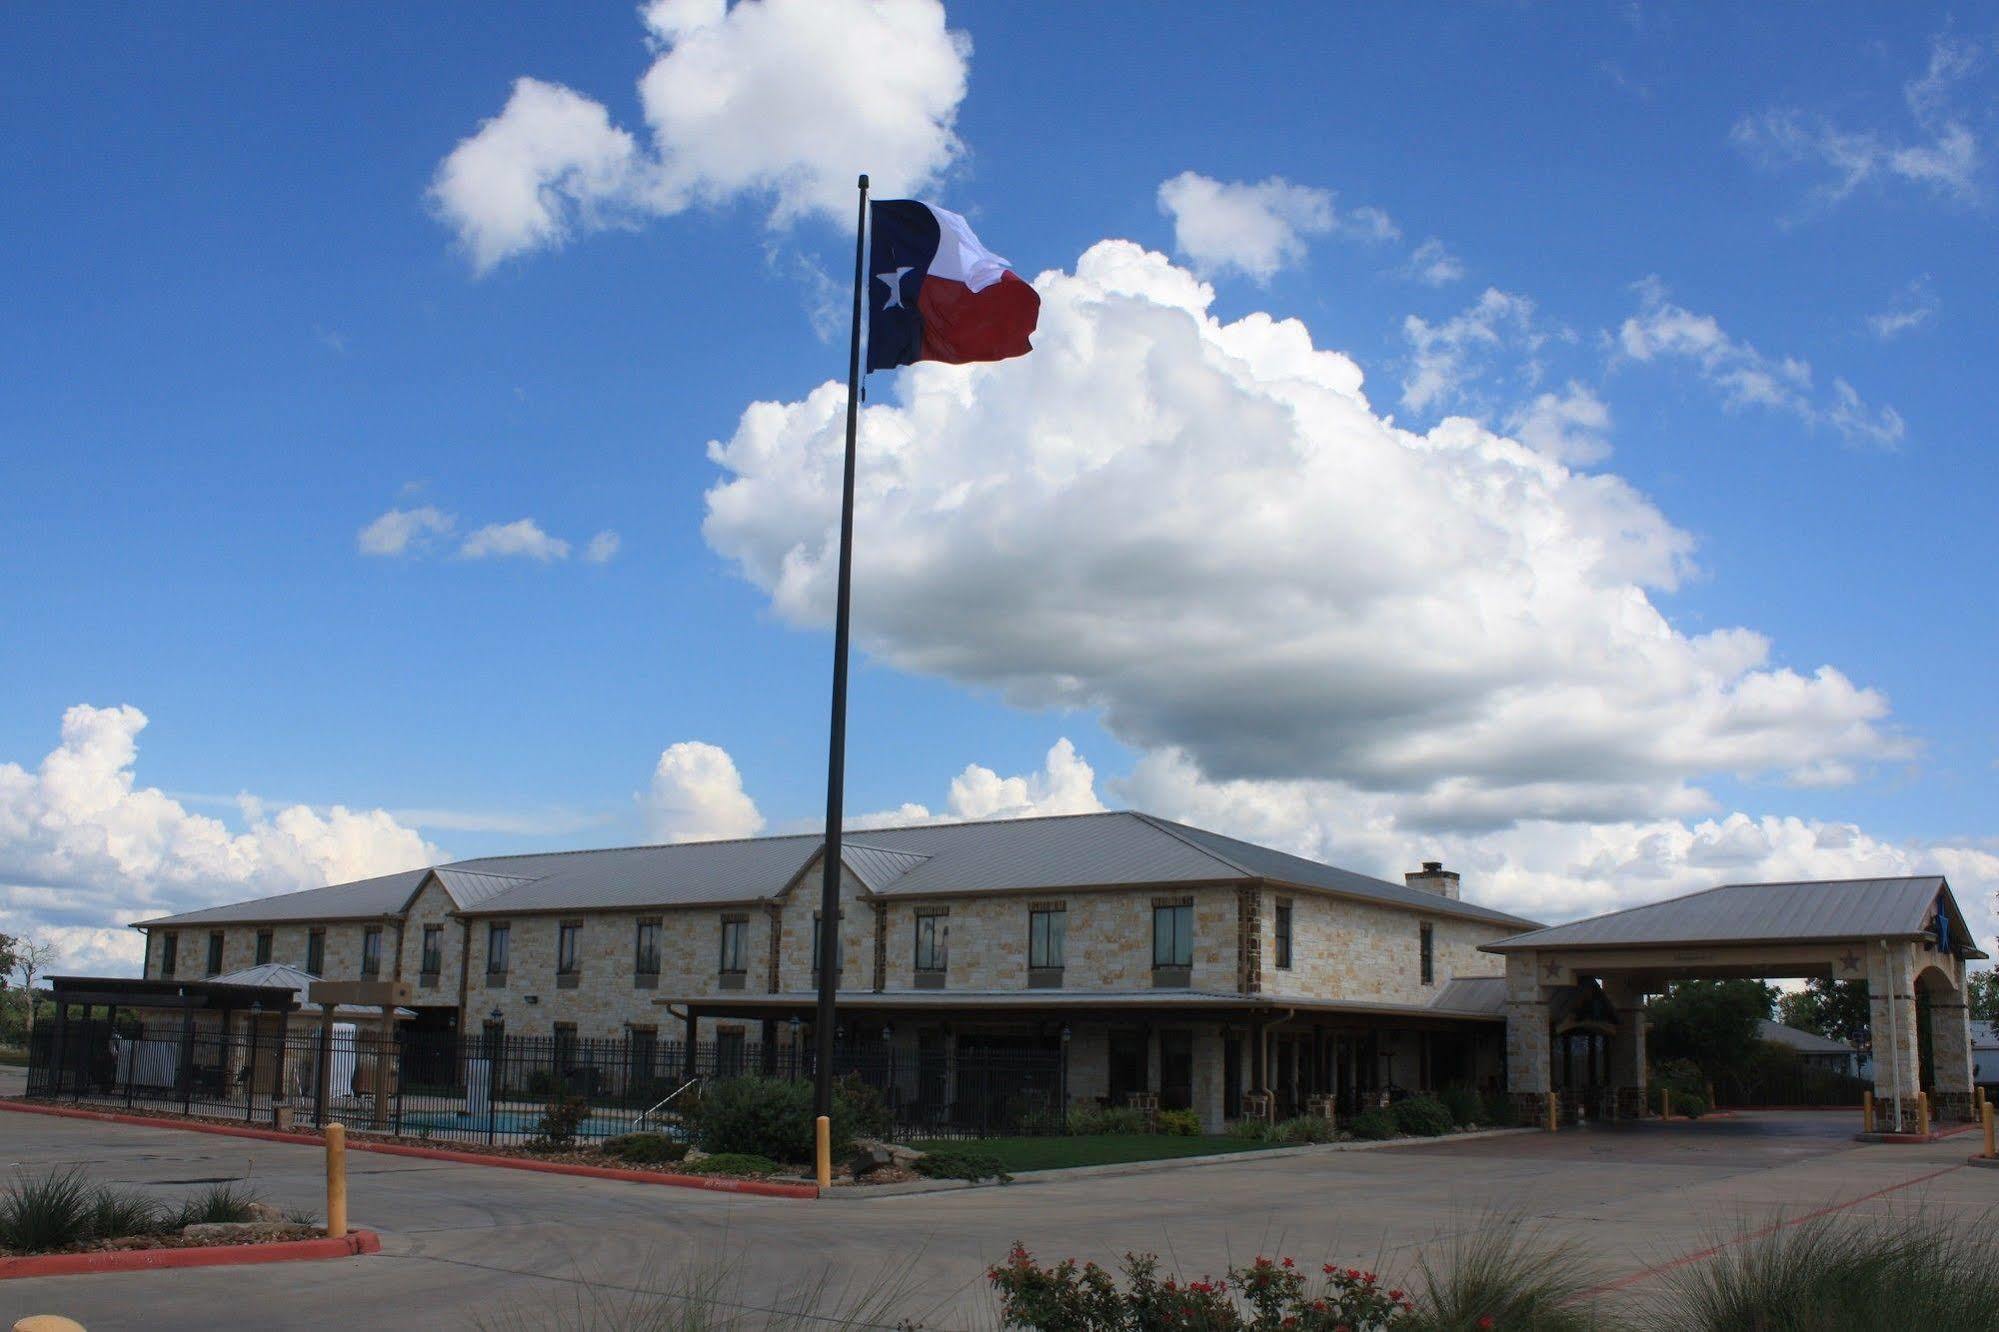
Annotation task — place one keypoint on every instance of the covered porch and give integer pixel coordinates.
(1221, 1056)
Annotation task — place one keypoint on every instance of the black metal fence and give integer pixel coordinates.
(495, 1089)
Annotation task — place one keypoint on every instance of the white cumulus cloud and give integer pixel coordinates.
(603, 547)
(1258, 228)
(520, 539)
(1745, 377)
(697, 796)
(1572, 426)
(1205, 532)
(404, 531)
(1433, 264)
(85, 850)
(782, 101)
(1445, 357)
(1065, 785)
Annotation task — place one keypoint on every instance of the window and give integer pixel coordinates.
(1283, 958)
(565, 947)
(1427, 943)
(169, 952)
(315, 952)
(215, 953)
(433, 950)
(498, 936)
(563, 1054)
(263, 947)
(933, 942)
(371, 951)
(735, 940)
(1173, 936)
(645, 952)
(1047, 938)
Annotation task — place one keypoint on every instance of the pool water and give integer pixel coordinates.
(515, 1123)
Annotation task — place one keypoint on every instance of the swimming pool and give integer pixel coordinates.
(515, 1123)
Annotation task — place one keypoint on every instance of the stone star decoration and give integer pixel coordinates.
(1849, 961)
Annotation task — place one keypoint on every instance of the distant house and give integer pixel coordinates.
(1984, 1052)
(1821, 1052)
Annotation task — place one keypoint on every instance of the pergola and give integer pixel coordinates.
(71, 1040)
(1905, 937)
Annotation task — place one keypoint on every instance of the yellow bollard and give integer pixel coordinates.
(336, 1180)
(1554, 1113)
(1923, 1113)
(1665, 1102)
(822, 1150)
(1867, 1112)
(47, 1323)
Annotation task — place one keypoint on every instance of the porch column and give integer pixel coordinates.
(1208, 1057)
(1950, 1046)
(1891, 1002)
(1527, 1046)
(1627, 1049)
(687, 1045)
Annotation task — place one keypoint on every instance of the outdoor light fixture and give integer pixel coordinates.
(1065, 1033)
(495, 1016)
(888, 1032)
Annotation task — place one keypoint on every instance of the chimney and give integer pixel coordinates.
(1434, 878)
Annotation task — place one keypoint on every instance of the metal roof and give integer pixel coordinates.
(1805, 1042)
(1048, 854)
(1089, 1001)
(1473, 994)
(283, 975)
(1829, 909)
(382, 896)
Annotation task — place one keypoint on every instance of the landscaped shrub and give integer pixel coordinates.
(646, 1148)
(1253, 1130)
(216, 1204)
(1498, 1109)
(1179, 1123)
(1110, 1119)
(1499, 1275)
(1422, 1116)
(766, 1117)
(1464, 1104)
(733, 1163)
(44, 1212)
(560, 1119)
(114, 1215)
(962, 1163)
(1374, 1125)
(868, 1115)
(1305, 1129)
(1264, 1296)
(1688, 1085)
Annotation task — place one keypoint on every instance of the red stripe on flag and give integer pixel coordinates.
(961, 325)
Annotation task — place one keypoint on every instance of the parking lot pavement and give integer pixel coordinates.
(473, 1246)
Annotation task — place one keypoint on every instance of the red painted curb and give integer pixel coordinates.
(711, 1183)
(354, 1243)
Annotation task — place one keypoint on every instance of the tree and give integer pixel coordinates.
(31, 958)
(1981, 990)
(1836, 1009)
(1713, 1023)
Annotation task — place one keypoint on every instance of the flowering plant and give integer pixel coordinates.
(1266, 1295)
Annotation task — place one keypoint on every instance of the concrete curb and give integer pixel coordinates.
(352, 1244)
(711, 1183)
(1989, 1162)
(863, 1192)
(1935, 1135)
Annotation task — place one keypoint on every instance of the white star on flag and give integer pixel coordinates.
(894, 281)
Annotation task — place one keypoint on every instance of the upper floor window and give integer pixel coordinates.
(433, 949)
(371, 951)
(315, 952)
(1283, 958)
(1426, 941)
(645, 951)
(499, 935)
(263, 947)
(1047, 938)
(735, 945)
(1173, 936)
(566, 936)
(215, 953)
(169, 952)
(933, 941)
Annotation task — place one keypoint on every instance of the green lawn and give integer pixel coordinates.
(1095, 1149)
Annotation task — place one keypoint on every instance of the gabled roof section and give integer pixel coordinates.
(384, 895)
(1815, 911)
(1472, 994)
(877, 866)
(468, 888)
(1268, 863)
(1804, 1042)
(678, 874)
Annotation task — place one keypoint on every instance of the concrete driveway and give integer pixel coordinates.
(468, 1246)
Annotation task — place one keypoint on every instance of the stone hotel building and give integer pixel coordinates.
(1158, 957)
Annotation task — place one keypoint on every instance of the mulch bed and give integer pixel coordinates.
(134, 1243)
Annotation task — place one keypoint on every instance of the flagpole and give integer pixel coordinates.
(836, 756)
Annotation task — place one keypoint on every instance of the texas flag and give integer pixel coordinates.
(936, 294)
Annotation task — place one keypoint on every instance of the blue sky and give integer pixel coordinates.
(246, 320)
